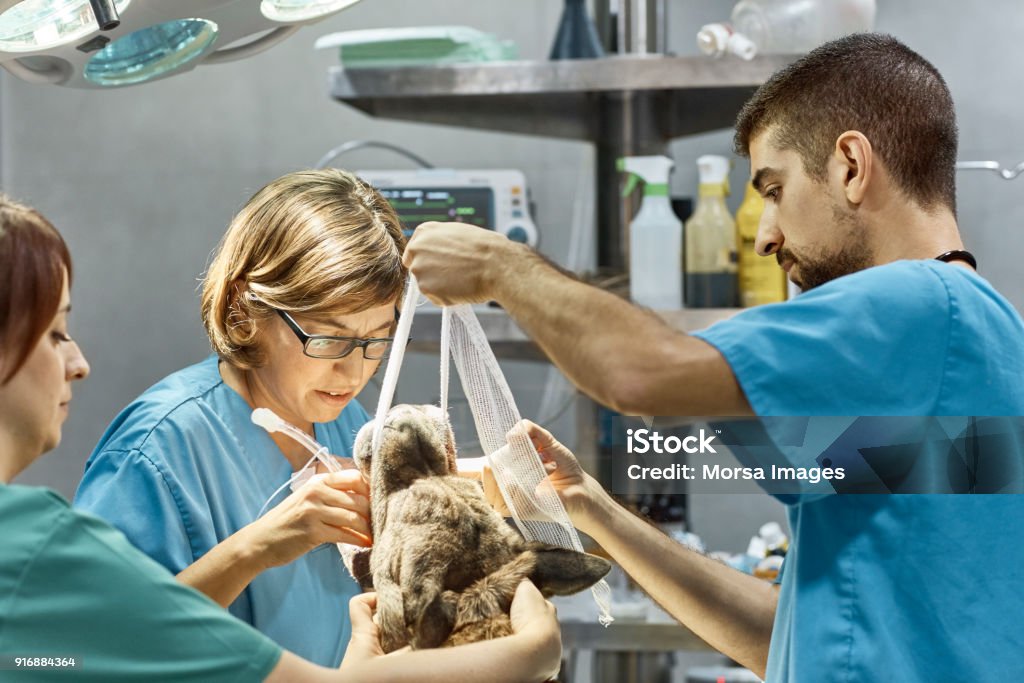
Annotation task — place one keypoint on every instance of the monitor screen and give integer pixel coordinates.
(473, 205)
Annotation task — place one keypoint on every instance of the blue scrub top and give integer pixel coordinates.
(892, 587)
(183, 467)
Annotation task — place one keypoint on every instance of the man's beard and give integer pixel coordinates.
(823, 267)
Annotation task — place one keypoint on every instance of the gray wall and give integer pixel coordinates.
(142, 182)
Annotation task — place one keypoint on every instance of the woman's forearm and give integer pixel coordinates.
(225, 571)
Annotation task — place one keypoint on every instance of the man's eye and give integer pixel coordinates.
(772, 194)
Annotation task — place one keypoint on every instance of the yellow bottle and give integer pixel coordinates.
(762, 281)
(710, 237)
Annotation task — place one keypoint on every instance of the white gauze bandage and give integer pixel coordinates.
(515, 463)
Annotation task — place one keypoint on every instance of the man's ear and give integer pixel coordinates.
(855, 159)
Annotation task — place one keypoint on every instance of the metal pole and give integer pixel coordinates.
(657, 27)
(638, 28)
(629, 124)
(604, 18)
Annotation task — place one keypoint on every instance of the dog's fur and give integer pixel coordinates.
(444, 564)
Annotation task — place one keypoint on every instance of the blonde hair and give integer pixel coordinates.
(313, 242)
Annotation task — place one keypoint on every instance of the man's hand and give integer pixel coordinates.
(455, 263)
(579, 492)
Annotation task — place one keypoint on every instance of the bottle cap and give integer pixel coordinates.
(714, 169)
(772, 534)
(713, 39)
(741, 46)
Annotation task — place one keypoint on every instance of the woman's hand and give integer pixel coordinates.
(535, 619)
(329, 508)
(532, 653)
(578, 491)
(364, 642)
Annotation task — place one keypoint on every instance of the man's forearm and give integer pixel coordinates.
(731, 611)
(621, 355)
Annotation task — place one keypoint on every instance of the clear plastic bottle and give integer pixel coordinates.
(710, 235)
(785, 26)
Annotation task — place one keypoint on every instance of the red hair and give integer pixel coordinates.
(33, 261)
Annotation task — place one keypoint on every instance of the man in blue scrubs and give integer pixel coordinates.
(853, 148)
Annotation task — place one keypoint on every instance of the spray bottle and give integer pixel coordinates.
(711, 258)
(655, 236)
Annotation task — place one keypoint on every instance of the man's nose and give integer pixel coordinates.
(769, 238)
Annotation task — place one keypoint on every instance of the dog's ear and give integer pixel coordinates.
(564, 572)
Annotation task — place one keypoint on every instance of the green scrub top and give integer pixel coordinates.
(71, 586)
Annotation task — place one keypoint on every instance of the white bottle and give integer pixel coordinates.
(785, 26)
(655, 237)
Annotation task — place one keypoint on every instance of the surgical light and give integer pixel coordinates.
(151, 52)
(60, 41)
(42, 24)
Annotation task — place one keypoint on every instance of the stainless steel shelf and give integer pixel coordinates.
(559, 98)
(510, 342)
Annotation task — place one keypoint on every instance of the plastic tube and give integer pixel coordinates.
(268, 419)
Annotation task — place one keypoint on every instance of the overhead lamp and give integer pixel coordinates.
(34, 25)
(111, 43)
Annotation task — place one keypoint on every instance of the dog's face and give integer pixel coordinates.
(416, 442)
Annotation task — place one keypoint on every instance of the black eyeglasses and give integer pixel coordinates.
(326, 346)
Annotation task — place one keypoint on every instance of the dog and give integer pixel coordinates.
(444, 563)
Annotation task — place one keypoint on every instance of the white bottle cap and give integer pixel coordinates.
(741, 46)
(757, 547)
(714, 169)
(772, 534)
(713, 39)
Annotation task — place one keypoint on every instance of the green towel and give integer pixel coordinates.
(422, 46)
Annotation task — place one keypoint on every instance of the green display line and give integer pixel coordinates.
(423, 205)
(424, 217)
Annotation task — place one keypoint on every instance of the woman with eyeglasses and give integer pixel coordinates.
(299, 303)
(80, 601)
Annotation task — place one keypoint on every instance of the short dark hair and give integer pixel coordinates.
(871, 83)
(33, 260)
